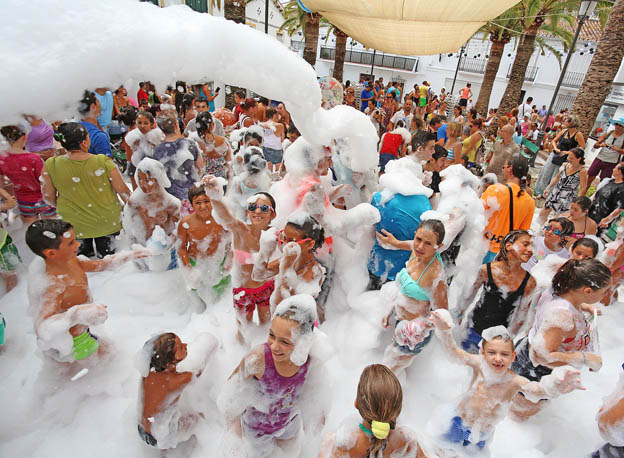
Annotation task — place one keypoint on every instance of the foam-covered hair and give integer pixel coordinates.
(496, 332)
(156, 170)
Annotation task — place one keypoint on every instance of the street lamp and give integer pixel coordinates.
(585, 11)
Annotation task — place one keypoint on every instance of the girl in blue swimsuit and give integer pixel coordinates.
(422, 287)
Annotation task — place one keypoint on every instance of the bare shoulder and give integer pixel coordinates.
(403, 438)
(253, 362)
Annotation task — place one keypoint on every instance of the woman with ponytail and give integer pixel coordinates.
(562, 332)
(507, 290)
(379, 401)
(508, 205)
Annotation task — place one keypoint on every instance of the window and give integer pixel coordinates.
(201, 6)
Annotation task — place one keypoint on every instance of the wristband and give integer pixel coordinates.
(584, 358)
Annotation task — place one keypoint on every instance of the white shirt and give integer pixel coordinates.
(401, 116)
(524, 109)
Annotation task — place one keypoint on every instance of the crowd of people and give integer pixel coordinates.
(241, 204)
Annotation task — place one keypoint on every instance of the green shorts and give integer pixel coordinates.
(222, 285)
(9, 257)
(423, 101)
(85, 345)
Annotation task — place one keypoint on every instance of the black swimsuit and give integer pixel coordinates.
(495, 307)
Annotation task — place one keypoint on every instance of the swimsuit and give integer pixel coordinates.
(580, 235)
(147, 437)
(460, 433)
(9, 256)
(84, 345)
(247, 299)
(411, 288)
(496, 306)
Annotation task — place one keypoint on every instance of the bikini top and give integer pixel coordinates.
(243, 257)
(411, 288)
(580, 235)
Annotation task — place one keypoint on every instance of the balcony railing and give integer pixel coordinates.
(529, 75)
(472, 65)
(297, 45)
(573, 79)
(365, 57)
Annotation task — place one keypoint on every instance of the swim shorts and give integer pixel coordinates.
(247, 299)
(147, 437)
(85, 345)
(9, 256)
(35, 208)
(460, 434)
(409, 345)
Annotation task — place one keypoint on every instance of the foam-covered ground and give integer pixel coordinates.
(45, 414)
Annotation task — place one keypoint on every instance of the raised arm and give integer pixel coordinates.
(214, 190)
(390, 242)
(562, 380)
(113, 261)
(444, 324)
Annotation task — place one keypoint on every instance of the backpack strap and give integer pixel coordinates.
(511, 224)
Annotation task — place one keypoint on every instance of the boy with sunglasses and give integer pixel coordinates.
(553, 241)
(204, 247)
(249, 294)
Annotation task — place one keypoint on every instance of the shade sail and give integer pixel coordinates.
(410, 27)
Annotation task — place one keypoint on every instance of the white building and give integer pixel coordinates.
(540, 80)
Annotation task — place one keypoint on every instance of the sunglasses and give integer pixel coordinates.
(281, 239)
(554, 231)
(263, 208)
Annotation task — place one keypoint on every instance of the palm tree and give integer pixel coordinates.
(341, 53)
(499, 31)
(602, 70)
(536, 15)
(297, 20)
(234, 10)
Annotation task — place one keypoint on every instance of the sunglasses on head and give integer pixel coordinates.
(281, 239)
(554, 231)
(264, 208)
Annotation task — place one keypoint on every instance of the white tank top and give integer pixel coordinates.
(271, 140)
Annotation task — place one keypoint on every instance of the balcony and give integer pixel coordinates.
(573, 79)
(529, 75)
(381, 59)
(472, 65)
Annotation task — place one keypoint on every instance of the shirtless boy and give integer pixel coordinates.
(150, 206)
(493, 385)
(203, 244)
(67, 310)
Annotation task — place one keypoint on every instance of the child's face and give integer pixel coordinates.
(521, 247)
(582, 252)
(143, 124)
(252, 141)
(549, 233)
(257, 214)
(576, 212)
(68, 248)
(180, 350)
(594, 295)
(499, 354)
(425, 243)
(292, 234)
(146, 182)
(202, 206)
(281, 340)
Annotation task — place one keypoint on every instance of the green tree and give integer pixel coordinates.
(233, 10)
(535, 15)
(602, 70)
(500, 32)
(297, 20)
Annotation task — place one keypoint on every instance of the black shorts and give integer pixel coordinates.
(463, 102)
(147, 437)
(523, 365)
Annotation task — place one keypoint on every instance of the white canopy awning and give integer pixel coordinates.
(410, 27)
